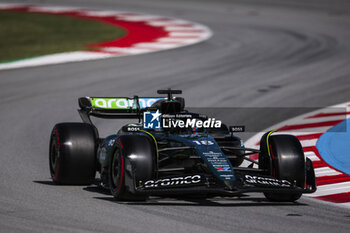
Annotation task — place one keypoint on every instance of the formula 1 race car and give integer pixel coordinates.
(171, 151)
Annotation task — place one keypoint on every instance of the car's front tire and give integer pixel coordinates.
(286, 161)
(137, 152)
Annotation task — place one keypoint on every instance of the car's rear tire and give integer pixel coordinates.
(286, 161)
(138, 153)
(72, 156)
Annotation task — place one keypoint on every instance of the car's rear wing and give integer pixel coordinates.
(122, 107)
(114, 107)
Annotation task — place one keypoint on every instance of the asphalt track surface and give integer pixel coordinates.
(263, 54)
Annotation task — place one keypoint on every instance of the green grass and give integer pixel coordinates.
(24, 35)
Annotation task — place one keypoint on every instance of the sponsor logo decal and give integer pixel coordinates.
(227, 177)
(266, 181)
(166, 182)
(223, 168)
(240, 128)
(151, 120)
(220, 163)
(132, 128)
(203, 142)
(191, 123)
(167, 121)
(121, 103)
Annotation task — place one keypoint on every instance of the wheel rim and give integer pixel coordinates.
(115, 169)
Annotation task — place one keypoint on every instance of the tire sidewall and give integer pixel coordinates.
(54, 148)
(75, 147)
(117, 188)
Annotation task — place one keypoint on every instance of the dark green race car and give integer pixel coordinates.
(171, 151)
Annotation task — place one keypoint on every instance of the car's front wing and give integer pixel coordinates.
(207, 184)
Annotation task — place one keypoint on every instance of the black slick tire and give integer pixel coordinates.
(138, 152)
(72, 158)
(286, 161)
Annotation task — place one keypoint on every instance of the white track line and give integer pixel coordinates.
(329, 189)
(346, 205)
(184, 28)
(101, 13)
(55, 59)
(175, 40)
(126, 50)
(162, 23)
(155, 45)
(185, 34)
(137, 18)
(311, 155)
(52, 9)
(310, 130)
(325, 171)
(307, 143)
(292, 132)
(324, 119)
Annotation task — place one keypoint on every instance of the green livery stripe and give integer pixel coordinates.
(112, 103)
(267, 142)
